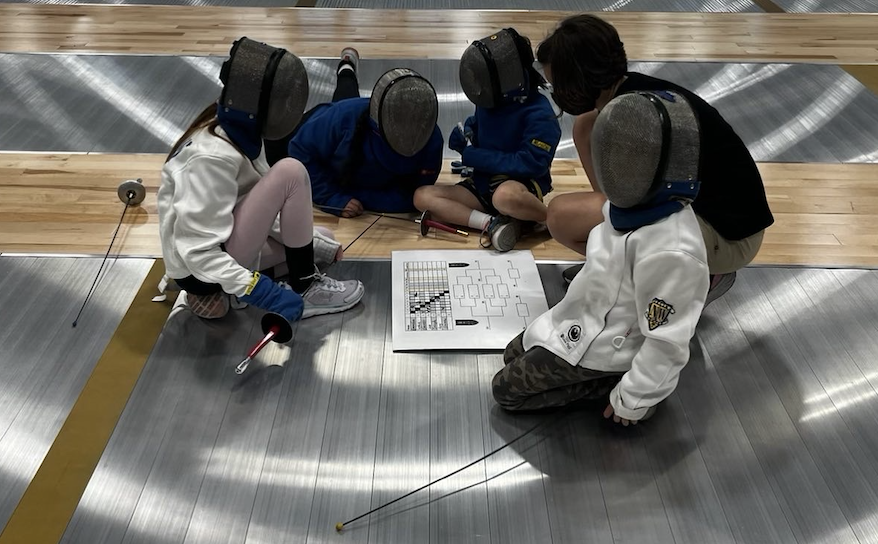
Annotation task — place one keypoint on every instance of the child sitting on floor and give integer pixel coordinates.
(509, 143)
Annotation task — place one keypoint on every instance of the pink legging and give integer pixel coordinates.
(284, 189)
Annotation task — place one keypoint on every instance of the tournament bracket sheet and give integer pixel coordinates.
(470, 299)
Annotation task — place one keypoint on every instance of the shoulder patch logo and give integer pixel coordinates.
(542, 145)
(657, 313)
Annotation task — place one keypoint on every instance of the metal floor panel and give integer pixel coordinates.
(768, 437)
(114, 103)
(828, 6)
(44, 362)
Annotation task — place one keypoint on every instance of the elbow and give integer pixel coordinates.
(532, 168)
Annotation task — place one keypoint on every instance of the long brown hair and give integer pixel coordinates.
(206, 119)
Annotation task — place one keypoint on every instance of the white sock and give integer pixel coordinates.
(479, 220)
(345, 66)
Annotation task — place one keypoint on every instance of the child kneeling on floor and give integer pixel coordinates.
(624, 327)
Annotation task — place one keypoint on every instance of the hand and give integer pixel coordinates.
(267, 295)
(608, 412)
(457, 140)
(468, 131)
(353, 208)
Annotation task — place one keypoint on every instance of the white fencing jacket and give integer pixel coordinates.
(632, 308)
(201, 185)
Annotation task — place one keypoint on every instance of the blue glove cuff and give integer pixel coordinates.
(269, 296)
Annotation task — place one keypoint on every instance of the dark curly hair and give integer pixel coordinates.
(586, 56)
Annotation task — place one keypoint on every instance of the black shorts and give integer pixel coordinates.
(193, 285)
(486, 199)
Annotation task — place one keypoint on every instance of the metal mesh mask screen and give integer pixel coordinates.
(405, 108)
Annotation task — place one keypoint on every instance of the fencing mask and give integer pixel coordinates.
(266, 84)
(645, 148)
(405, 109)
(497, 68)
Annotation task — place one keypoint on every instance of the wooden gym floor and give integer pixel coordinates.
(826, 214)
(777, 404)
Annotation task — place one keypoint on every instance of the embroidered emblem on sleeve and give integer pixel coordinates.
(657, 313)
(253, 281)
(542, 145)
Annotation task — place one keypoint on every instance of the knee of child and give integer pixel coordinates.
(582, 128)
(422, 198)
(501, 393)
(508, 198)
(555, 215)
(504, 391)
(292, 169)
(507, 402)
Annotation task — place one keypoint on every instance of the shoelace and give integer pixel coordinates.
(321, 280)
(325, 282)
(486, 233)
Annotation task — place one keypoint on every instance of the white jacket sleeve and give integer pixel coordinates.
(669, 288)
(205, 199)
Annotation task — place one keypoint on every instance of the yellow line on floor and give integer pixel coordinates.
(769, 6)
(867, 74)
(45, 509)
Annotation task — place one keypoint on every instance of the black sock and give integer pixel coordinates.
(346, 84)
(269, 273)
(300, 261)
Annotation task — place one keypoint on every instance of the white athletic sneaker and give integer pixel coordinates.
(329, 296)
(504, 232)
(351, 56)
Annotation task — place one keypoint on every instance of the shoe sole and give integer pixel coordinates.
(505, 238)
(721, 289)
(353, 59)
(214, 308)
(334, 310)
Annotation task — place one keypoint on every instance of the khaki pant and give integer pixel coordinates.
(725, 256)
